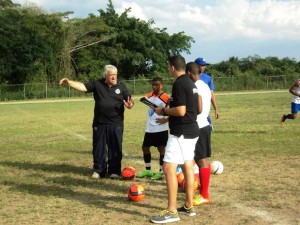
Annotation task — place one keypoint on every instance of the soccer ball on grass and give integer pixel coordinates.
(216, 167)
(136, 192)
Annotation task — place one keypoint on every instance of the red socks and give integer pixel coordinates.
(204, 175)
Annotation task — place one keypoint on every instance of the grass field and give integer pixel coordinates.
(46, 161)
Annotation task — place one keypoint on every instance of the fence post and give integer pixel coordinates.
(284, 81)
(46, 90)
(24, 91)
(134, 85)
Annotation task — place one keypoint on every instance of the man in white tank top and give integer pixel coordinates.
(295, 105)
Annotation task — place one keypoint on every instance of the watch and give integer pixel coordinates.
(163, 112)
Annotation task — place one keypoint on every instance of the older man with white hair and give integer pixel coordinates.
(108, 124)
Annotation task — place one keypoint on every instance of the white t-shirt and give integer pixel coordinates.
(205, 93)
(295, 98)
(152, 126)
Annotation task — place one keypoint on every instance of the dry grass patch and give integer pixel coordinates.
(46, 160)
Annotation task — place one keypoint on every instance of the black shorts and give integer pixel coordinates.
(155, 139)
(203, 148)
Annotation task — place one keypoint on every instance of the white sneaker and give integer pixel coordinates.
(114, 176)
(96, 175)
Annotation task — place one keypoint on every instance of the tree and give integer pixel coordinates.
(85, 39)
(137, 48)
(4, 4)
(30, 45)
(39, 47)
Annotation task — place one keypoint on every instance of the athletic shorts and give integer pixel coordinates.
(179, 149)
(295, 108)
(203, 146)
(155, 139)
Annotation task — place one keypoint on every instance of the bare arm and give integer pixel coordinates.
(73, 84)
(293, 89)
(214, 103)
(175, 111)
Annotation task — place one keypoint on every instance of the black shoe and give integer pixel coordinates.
(186, 211)
(283, 118)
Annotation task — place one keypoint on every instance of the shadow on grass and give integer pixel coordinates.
(154, 156)
(108, 203)
(131, 156)
(115, 187)
(59, 168)
(109, 194)
(81, 152)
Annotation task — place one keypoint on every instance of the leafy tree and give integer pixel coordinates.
(86, 38)
(137, 48)
(37, 47)
(4, 4)
(30, 45)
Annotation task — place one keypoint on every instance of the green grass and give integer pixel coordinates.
(46, 161)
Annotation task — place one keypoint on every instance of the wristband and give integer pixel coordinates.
(163, 112)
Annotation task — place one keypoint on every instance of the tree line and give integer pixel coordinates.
(36, 46)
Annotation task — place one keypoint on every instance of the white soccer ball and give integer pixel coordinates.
(216, 167)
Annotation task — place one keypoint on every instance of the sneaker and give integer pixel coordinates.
(198, 200)
(187, 211)
(282, 120)
(96, 175)
(114, 176)
(165, 216)
(157, 176)
(145, 173)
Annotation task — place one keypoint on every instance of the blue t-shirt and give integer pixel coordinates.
(208, 80)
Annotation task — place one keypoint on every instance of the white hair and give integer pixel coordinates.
(109, 68)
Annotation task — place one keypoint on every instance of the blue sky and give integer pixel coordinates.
(221, 28)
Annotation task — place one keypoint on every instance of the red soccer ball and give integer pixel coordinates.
(196, 183)
(129, 173)
(136, 193)
(180, 178)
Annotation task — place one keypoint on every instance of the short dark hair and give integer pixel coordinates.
(192, 67)
(178, 62)
(159, 79)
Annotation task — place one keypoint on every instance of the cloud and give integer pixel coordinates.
(135, 10)
(235, 27)
(226, 19)
(81, 9)
(219, 19)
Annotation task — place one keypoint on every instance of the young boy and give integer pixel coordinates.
(203, 145)
(295, 105)
(156, 130)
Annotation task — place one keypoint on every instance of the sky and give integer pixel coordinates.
(220, 28)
